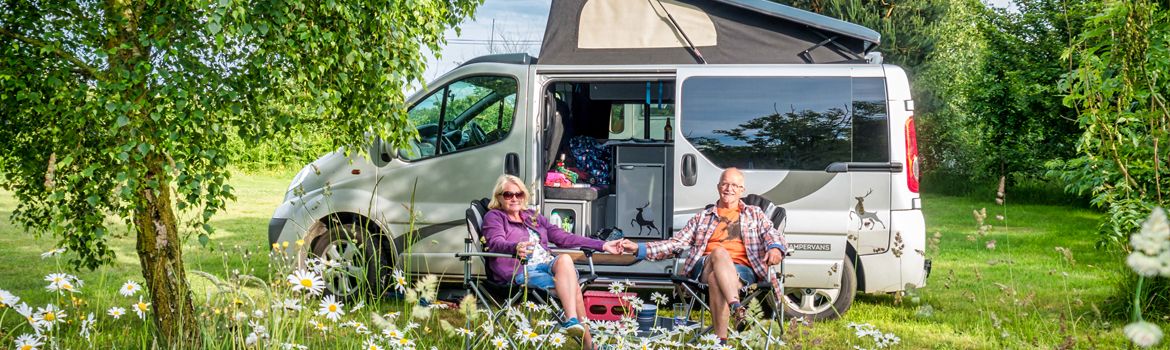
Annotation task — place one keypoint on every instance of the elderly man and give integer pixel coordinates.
(732, 245)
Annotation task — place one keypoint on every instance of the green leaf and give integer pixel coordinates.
(121, 121)
(204, 239)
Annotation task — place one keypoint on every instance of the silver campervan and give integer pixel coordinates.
(649, 102)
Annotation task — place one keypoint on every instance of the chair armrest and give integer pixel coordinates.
(463, 255)
(588, 251)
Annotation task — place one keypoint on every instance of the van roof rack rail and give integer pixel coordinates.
(507, 58)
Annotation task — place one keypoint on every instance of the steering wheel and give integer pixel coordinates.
(445, 144)
(476, 135)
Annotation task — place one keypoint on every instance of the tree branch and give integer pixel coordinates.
(84, 68)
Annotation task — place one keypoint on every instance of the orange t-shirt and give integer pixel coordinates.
(729, 236)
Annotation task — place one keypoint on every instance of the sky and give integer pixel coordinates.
(519, 22)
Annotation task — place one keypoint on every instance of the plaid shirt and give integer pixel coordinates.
(758, 237)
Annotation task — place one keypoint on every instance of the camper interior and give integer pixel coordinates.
(608, 149)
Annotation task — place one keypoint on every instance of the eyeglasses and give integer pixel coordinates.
(510, 195)
(731, 185)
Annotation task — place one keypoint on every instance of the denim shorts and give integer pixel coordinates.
(537, 275)
(746, 275)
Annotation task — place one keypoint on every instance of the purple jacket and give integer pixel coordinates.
(503, 235)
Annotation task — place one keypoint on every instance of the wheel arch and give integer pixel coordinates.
(858, 268)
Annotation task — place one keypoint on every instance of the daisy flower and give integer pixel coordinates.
(360, 304)
(331, 308)
(28, 342)
(392, 333)
(8, 299)
(319, 326)
(116, 312)
(465, 332)
(404, 343)
(710, 338)
(141, 308)
(48, 315)
(617, 287)
(87, 325)
(129, 288)
(308, 281)
(52, 253)
(528, 336)
(500, 342)
(659, 298)
(289, 304)
(62, 282)
(370, 345)
(556, 340)
(399, 281)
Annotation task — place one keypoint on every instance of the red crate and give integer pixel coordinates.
(606, 306)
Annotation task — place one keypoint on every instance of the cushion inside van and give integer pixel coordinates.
(575, 193)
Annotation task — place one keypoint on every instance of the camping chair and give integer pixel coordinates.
(497, 296)
(692, 291)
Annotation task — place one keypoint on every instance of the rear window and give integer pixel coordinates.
(791, 123)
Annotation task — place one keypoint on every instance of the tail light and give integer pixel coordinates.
(912, 172)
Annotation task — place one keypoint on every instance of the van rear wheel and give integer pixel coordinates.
(821, 304)
(353, 258)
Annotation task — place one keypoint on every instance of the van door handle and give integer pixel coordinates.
(864, 167)
(690, 173)
(512, 164)
(626, 167)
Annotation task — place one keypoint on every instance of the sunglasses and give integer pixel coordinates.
(510, 195)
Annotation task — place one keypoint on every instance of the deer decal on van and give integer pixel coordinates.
(641, 223)
(865, 218)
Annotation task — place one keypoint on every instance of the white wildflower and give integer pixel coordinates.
(28, 342)
(8, 299)
(360, 304)
(47, 316)
(617, 287)
(331, 308)
(1143, 334)
(500, 342)
(52, 253)
(1144, 265)
(87, 325)
(141, 308)
(116, 312)
(659, 298)
(371, 345)
(399, 280)
(556, 340)
(307, 281)
(129, 288)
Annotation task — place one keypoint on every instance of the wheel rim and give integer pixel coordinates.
(343, 279)
(811, 301)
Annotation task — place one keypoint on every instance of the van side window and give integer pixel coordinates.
(787, 123)
(871, 136)
(467, 113)
(633, 114)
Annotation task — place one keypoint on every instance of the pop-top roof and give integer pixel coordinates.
(697, 31)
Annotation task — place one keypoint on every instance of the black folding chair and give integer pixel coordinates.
(695, 291)
(495, 296)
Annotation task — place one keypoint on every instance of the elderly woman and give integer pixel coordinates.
(511, 228)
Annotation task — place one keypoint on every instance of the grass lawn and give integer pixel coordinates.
(1024, 293)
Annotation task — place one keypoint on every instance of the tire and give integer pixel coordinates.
(821, 304)
(360, 256)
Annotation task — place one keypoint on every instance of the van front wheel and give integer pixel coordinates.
(351, 259)
(822, 304)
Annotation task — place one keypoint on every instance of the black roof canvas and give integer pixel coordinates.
(697, 31)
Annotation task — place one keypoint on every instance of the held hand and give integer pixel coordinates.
(522, 249)
(629, 246)
(774, 256)
(612, 247)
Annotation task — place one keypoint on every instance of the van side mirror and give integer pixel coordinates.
(381, 152)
